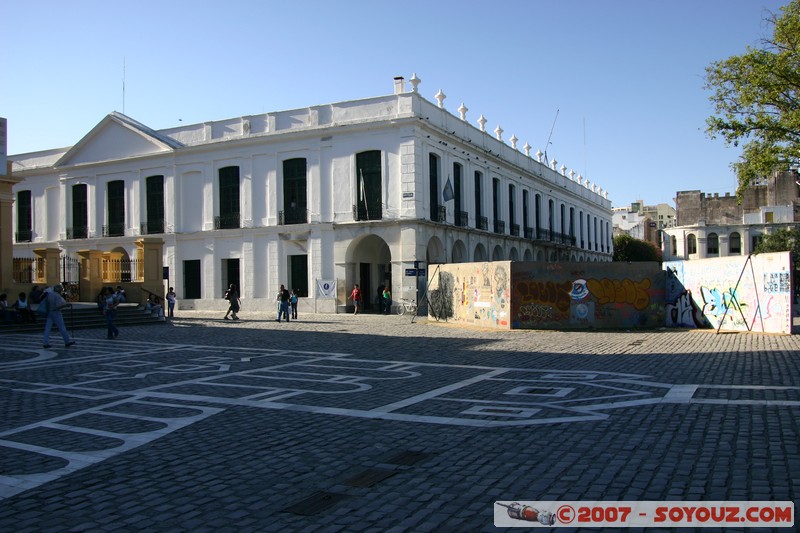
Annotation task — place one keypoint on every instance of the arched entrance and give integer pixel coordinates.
(436, 252)
(459, 252)
(369, 264)
(480, 253)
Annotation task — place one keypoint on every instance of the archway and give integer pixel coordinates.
(528, 256)
(513, 254)
(368, 264)
(497, 253)
(459, 252)
(436, 251)
(480, 253)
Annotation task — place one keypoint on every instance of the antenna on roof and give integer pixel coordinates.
(123, 85)
(550, 136)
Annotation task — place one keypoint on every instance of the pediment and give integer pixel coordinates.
(117, 137)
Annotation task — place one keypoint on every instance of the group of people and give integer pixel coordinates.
(287, 303)
(383, 301)
(18, 312)
(49, 304)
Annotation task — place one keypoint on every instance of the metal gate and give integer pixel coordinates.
(71, 277)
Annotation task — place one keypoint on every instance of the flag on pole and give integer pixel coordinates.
(448, 193)
(361, 186)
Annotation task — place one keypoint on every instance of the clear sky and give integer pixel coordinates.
(622, 80)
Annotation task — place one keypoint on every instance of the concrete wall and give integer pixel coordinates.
(532, 295)
(705, 293)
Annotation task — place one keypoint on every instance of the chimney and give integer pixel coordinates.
(399, 85)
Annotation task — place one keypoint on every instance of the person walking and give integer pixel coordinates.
(110, 302)
(55, 303)
(171, 299)
(355, 295)
(232, 295)
(387, 300)
(293, 303)
(283, 299)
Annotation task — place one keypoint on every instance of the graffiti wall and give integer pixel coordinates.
(521, 295)
(587, 295)
(731, 293)
(472, 293)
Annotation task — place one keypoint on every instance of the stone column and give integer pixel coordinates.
(702, 243)
(151, 252)
(7, 229)
(91, 274)
(51, 257)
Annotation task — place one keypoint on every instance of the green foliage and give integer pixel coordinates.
(757, 101)
(782, 240)
(628, 249)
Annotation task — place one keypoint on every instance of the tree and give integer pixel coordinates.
(628, 249)
(782, 240)
(757, 101)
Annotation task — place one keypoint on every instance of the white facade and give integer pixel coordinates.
(411, 149)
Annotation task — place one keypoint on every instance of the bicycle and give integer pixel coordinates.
(406, 306)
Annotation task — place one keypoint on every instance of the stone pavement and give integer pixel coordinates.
(374, 423)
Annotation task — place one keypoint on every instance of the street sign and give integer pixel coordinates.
(411, 272)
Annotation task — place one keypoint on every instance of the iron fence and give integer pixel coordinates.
(122, 270)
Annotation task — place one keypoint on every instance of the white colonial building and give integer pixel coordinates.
(351, 192)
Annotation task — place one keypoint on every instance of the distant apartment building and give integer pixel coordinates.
(718, 226)
(643, 222)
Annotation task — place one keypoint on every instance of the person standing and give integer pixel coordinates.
(110, 303)
(232, 295)
(387, 300)
(55, 303)
(283, 299)
(171, 299)
(355, 295)
(293, 303)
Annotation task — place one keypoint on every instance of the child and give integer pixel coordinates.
(293, 303)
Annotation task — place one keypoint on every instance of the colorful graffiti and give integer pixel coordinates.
(750, 293)
(624, 291)
(683, 313)
(718, 302)
(545, 293)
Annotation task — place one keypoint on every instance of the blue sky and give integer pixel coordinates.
(624, 77)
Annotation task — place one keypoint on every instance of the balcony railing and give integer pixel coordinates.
(151, 227)
(529, 233)
(25, 235)
(114, 230)
(77, 232)
(293, 215)
(361, 213)
(483, 223)
(439, 213)
(462, 219)
(499, 226)
(515, 230)
(231, 221)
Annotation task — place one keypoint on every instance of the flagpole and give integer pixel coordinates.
(363, 193)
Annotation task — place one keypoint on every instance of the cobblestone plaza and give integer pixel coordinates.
(375, 423)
